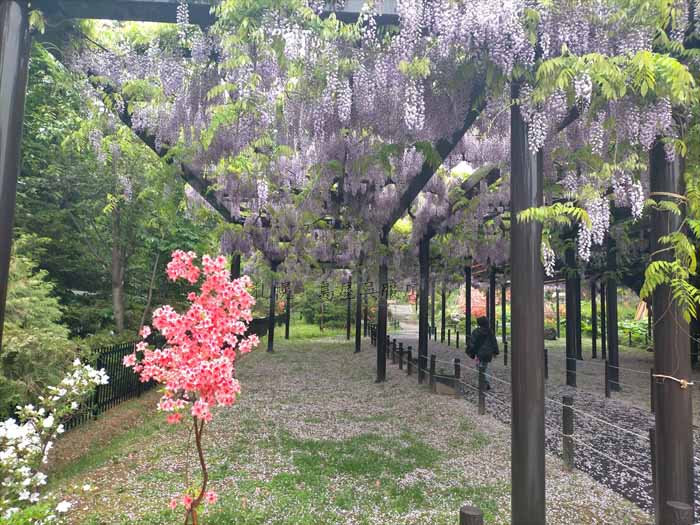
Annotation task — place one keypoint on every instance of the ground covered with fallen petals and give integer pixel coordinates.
(314, 440)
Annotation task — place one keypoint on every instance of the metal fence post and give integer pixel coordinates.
(607, 378)
(546, 364)
(400, 356)
(505, 353)
(457, 338)
(431, 372)
(409, 362)
(449, 336)
(680, 513)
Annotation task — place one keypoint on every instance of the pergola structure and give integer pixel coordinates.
(674, 439)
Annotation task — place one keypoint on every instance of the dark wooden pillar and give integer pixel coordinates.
(527, 330)
(382, 308)
(492, 300)
(674, 421)
(467, 304)
(358, 311)
(273, 308)
(235, 265)
(348, 312)
(503, 313)
(594, 321)
(558, 316)
(571, 315)
(603, 323)
(365, 313)
(424, 283)
(288, 312)
(611, 321)
(443, 296)
(579, 342)
(15, 43)
(432, 304)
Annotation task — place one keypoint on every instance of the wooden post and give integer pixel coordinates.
(503, 315)
(358, 312)
(288, 313)
(546, 364)
(679, 513)
(594, 321)
(527, 327)
(673, 412)
(424, 284)
(273, 308)
(458, 375)
(467, 304)
(611, 307)
(15, 45)
(470, 516)
(652, 450)
(603, 321)
(652, 390)
(567, 423)
(571, 317)
(348, 312)
(432, 372)
(382, 307)
(558, 317)
(443, 306)
(492, 300)
(607, 378)
(409, 361)
(482, 392)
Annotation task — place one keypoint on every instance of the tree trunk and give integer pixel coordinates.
(117, 271)
(150, 291)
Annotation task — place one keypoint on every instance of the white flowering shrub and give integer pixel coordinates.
(26, 440)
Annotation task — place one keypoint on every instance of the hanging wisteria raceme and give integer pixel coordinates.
(331, 121)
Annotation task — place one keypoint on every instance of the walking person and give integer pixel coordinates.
(483, 346)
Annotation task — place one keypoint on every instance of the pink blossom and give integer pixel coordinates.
(173, 503)
(129, 360)
(145, 331)
(211, 497)
(197, 363)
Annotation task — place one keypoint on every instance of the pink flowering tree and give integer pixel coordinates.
(196, 365)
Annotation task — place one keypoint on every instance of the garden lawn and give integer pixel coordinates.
(314, 441)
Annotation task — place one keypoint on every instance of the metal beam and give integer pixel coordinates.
(14, 62)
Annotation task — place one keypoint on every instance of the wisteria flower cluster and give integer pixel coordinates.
(25, 441)
(196, 366)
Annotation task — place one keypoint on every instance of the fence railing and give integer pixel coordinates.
(123, 384)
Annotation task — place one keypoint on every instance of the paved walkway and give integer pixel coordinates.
(611, 435)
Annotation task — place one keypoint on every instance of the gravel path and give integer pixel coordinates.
(611, 435)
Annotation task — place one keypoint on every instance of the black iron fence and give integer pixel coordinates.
(123, 384)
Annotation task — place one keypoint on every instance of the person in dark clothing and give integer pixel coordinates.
(483, 346)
